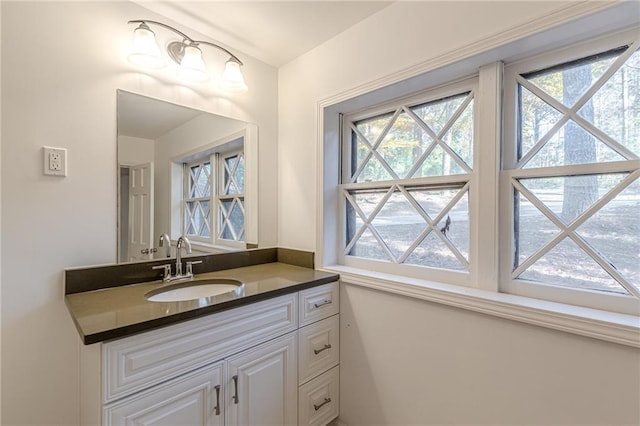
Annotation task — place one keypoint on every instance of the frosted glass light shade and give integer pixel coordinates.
(232, 79)
(192, 66)
(145, 51)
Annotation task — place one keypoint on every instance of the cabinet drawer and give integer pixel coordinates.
(319, 302)
(138, 362)
(318, 348)
(318, 400)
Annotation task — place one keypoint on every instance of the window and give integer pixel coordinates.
(537, 195)
(572, 176)
(407, 170)
(213, 200)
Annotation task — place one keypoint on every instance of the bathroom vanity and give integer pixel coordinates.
(266, 355)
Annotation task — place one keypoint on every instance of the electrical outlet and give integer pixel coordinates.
(55, 161)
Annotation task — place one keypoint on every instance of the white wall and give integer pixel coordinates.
(132, 150)
(409, 362)
(61, 66)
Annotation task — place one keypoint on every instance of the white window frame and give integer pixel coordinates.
(547, 291)
(220, 197)
(460, 181)
(542, 35)
(186, 199)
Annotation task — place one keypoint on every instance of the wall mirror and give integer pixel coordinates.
(183, 172)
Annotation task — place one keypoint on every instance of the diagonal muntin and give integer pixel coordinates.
(570, 114)
(567, 230)
(225, 218)
(372, 151)
(431, 224)
(232, 172)
(195, 177)
(367, 221)
(615, 66)
(437, 139)
(373, 148)
(604, 263)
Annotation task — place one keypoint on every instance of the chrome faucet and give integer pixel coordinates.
(188, 274)
(164, 239)
(182, 240)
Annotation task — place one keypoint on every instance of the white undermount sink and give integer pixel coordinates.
(195, 289)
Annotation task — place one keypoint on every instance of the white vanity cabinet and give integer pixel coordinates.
(318, 355)
(239, 367)
(192, 399)
(263, 386)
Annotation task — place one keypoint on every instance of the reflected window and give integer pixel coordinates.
(213, 196)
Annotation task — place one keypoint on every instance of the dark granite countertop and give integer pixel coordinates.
(119, 311)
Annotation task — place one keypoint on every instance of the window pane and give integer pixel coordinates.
(400, 226)
(614, 231)
(199, 180)
(572, 145)
(437, 114)
(239, 175)
(568, 266)
(569, 196)
(611, 110)
(231, 220)
(233, 175)
(407, 149)
(567, 83)
(532, 229)
(404, 143)
(615, 107)
(536, 119)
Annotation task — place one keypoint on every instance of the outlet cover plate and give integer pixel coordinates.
(55, 161)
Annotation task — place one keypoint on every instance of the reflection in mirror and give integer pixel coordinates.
(183, 172)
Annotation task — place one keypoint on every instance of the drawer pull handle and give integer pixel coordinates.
(235, 384)
(323, 403)
(327, 346)
(217, 407)
(324, 302)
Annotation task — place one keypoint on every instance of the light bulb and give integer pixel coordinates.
(145, 51)
(192, 66)
(232, 79)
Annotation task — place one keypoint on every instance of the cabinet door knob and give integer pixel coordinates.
(217, 407)
(327, 346)
(323, 403)
(235, 385)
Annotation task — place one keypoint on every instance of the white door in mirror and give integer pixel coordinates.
(55, 161)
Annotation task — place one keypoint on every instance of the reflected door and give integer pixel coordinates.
(140, 212)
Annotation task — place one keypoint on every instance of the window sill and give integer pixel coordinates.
(612, 327)
(212, 248)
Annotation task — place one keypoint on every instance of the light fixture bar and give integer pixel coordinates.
(186, 37)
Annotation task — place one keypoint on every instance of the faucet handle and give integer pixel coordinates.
(190, 264)
(167, 270)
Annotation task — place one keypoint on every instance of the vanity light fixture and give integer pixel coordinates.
(186, 53)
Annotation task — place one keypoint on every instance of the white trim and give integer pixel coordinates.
(603, 325)
(487, 167)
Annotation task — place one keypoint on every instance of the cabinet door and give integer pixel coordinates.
(195, 399)
(262, 385)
